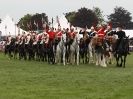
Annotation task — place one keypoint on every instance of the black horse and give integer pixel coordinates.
(29, 50)
(83, 50)
(22, 50)
(50, 52)
(122, 51)
(9, 49)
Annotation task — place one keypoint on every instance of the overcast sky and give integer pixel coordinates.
(18, 8)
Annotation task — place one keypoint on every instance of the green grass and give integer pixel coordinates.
(38, 80)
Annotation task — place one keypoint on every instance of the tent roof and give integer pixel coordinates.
(8, 26)
(63, 22)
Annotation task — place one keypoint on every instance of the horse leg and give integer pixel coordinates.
(72, 58)
(77, 59)
(117, 60)
(97, 63)
(103, 61)
(64, 56)
(124, 60)
(121, 61)
(111, 58)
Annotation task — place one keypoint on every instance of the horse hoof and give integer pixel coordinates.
(104, 65)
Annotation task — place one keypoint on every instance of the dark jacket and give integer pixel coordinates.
(121, 34)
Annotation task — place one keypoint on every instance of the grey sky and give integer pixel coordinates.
(18, 8)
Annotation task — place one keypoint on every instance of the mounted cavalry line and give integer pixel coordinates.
(67, 47)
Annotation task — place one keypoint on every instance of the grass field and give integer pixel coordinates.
(38, 80)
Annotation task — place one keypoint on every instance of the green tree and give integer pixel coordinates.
(120, 16)
(99, 15)
(70, 16)
(39, 19)
(24, 21)
(33, 22)
(82, 18)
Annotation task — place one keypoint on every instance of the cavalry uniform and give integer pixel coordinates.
(39, 37)
(18, 39)
(121, 34)
(58, 35)
(33, 37)
(28, 38)
(22, 39)
(110, 37)
(101, 33)
(92, 34)
(9, 38)
(100, 36)
(45, 38)
(72, 35)
(51, 36)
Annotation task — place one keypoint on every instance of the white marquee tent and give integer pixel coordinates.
(8, 27)
(63, 22)
(129, 33)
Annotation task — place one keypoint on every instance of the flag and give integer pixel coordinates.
(57, 19)
(43, 23)
(35, 23)
(52, 20)
(110, 24)
(29, 25)
(22, 24)
(42, 20)
(18, 28)
(5, 26)
(86, 27)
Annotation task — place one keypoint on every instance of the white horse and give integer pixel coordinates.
(61, 50)
(74, 50)
(91, 52)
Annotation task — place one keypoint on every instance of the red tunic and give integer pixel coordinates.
(72, 35)
(101, 33)
(59, 35)
(51, 35)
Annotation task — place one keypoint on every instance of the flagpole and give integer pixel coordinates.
(52, 22)
(15, 29)
(6, 30)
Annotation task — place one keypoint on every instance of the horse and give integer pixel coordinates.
(122, 51)
(101, 47)
(22, 50)
(61, 50)
(42, 50)
(50, 52)
(9, 48)
(74, 51)
(111, 41)
(83, 50)
(29, 49)
(91, 50)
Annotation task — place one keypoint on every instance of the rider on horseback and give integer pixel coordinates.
(121, 34)
(71, 36)
(58, 36)
(92, 33)
(45, 38)
(28, 37)
(9, 38)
